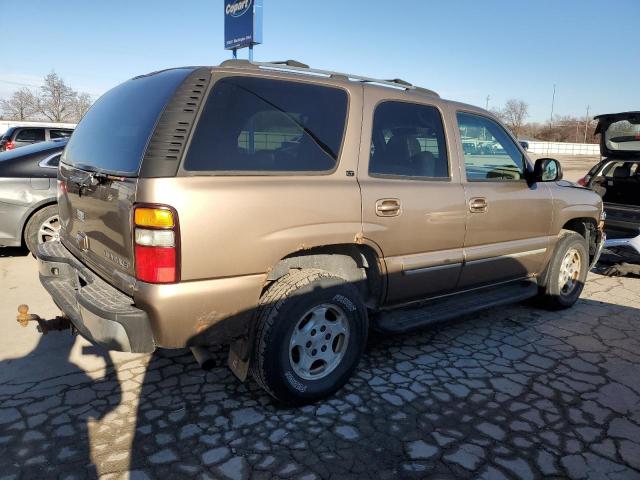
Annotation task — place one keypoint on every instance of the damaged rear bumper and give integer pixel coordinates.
(100, 312)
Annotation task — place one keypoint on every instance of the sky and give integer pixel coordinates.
(466, 50)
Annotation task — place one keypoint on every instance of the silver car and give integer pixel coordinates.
(28, 208)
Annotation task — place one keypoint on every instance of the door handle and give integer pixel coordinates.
(478, 205)
(388, 207)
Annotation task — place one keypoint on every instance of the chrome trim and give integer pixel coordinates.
(435, 268)
(510, 255)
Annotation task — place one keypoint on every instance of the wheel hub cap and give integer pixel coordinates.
(570, 271)
(319, 342)
(49, 230)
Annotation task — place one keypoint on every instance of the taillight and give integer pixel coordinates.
(9, 145)
(156, 244)
(583, 181)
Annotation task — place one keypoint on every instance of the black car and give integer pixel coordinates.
(617, 178)
(16, 137)
(28, 208)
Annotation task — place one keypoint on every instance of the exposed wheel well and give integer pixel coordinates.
(358, 264)
(588, 228)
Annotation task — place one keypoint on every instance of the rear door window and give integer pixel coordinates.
(30, 135)
(407, 140)
(261, 125)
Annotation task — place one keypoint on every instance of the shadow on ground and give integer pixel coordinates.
(13, 252)
(506, 393)
(46, 404)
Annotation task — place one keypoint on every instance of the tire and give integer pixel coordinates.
(558, 292)
(33, 235)
(298, 365)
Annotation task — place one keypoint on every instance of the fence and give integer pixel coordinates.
(547, 148)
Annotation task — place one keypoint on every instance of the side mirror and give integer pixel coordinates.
(547, 170)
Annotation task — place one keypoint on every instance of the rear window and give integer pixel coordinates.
(113, 134)
(623, 136)
(262, 125)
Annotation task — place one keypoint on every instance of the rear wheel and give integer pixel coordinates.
(43, 226)
(566, 273)
(311, 332)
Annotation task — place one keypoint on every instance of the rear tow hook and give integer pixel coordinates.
(44, 326)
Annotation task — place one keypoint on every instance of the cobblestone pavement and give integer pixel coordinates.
(508, 393)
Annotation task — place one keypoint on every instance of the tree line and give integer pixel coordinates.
(564, 128)
(54, 101)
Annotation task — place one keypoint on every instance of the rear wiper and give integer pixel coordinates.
(91, 179)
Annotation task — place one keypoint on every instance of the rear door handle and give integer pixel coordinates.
(388, 207)
(478, 205)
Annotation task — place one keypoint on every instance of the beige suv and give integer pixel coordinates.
(285, 211)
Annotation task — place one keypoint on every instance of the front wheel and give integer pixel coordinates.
(566, 273)
(311, 332)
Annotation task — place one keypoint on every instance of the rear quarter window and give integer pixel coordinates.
(265, 126)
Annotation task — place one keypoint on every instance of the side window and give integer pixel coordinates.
(59, 134)
(52, 161)
(262, 125)
(407, 139)
(489, 152)
(30, 135)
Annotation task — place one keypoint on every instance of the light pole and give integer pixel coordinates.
(586, 125)
(486, 105)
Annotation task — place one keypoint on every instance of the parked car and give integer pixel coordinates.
(16, 137)
(285, 210)
(617, 178)
(28, 210)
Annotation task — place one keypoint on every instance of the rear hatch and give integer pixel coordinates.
(102, 164)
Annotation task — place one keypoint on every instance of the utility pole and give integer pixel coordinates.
(586, 125)
(486, 105)
(553, 101)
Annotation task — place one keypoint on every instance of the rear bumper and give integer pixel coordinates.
(100, 312)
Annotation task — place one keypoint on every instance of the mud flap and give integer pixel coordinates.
(240, 358)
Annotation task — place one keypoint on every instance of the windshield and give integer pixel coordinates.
(113, 135)
(623, 136)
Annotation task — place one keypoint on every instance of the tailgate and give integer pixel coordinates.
(102, 162)
(96, 223)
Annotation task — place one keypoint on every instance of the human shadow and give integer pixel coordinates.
(46, 403)
(505, 392)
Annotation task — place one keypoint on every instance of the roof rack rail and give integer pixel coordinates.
(290, 63)
(296, 66)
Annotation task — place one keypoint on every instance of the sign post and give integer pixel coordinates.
(242, 25)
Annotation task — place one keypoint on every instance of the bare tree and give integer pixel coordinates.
(81, 105)
(514, 114)
(57, 99)
(22, 105)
